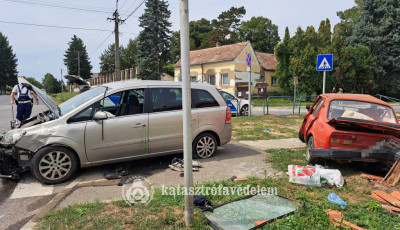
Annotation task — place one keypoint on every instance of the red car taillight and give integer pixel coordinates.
(228, 117)
(342, 139)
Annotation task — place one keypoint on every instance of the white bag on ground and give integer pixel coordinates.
(307, 175)
(333, 177)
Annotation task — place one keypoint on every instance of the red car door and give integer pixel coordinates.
(312, 115)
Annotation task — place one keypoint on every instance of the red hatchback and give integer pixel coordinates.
(351, 127)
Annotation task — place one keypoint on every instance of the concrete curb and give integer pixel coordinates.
(64, 193)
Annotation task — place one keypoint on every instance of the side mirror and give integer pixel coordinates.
(100, 115)
(308, 107)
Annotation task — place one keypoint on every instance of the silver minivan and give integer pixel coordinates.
(115, 122)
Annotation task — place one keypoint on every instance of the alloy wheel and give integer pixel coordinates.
(205, 147)
(55, 165)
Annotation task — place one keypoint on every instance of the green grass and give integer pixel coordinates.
(61, 97)
(252, 128)
(277, 102)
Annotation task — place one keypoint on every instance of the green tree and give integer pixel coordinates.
(107, 60)
(76, 49)
(34, 82)
(283, 55)
(356, 69)
(262, 34)
(153, 41)
(50, 84)
(378, 28)
(8, 64)
(226, 26)
(128, 55)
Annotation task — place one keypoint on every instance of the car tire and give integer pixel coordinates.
(244, 111)
(310, 145)
(204, 146)
(301, 136)
(53, 165)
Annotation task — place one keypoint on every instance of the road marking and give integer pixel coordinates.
(29, 187)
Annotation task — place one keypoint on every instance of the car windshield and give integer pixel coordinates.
(361, 110)
(80, 99)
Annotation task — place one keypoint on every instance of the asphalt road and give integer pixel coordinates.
(6, 111)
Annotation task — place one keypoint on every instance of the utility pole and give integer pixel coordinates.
(62, 85)
(79, 62)
(117, 21)
(187, 112)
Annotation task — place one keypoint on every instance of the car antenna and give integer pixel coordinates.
(102, 121)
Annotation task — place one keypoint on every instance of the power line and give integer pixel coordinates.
(59, 27)
(135, 10)
(59, 6)
(100, 44)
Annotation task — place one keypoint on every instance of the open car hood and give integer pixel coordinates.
(370, 126)
(46, 99)
(76, 79)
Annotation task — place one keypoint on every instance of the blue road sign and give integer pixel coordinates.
(325, 62)
(248, 60)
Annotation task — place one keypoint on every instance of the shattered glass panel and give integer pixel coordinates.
(242, 214)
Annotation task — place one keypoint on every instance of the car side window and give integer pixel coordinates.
(111, 103)
(132, 103)
(166, 99)
(317, 107)
(84, 115)
(204, 99)
(227, 96)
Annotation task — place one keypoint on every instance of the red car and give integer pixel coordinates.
(351, 127)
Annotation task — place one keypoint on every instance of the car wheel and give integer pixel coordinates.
(310, 145)
(244, 111)
(301, 136)
(53, 165)
(204, 146)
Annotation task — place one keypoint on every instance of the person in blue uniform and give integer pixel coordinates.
(22, 96)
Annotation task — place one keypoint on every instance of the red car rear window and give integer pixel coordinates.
(361, 110)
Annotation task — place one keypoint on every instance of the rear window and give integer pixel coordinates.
(361, 110)
(166, 99)
(204, 99)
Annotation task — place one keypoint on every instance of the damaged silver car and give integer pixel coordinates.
(116, 122)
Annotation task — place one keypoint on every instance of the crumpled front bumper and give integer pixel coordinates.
(9, 166)
(366, 155)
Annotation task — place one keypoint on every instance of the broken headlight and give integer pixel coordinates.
(13, 136)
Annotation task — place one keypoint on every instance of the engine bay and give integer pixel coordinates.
(38, 119)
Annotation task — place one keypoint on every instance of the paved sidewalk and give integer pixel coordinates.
(290, 143)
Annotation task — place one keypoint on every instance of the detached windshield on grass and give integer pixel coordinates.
(80, 99)
(361, 110)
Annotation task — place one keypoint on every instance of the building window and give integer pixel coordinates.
(274, 81)
(193, 79)
(212, 80)
(225, 79)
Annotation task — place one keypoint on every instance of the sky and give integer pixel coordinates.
(41, 49)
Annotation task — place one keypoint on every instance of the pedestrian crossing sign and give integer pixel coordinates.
(325, 62)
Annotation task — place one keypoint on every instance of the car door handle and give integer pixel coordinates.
(139, 125)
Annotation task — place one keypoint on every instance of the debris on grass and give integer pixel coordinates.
(335, 199)
(337, 219)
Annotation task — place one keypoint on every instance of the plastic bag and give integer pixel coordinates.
(331, 176)
(335, 199)
(307, 175)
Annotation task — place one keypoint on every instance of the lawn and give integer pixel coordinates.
(61, 97)
(253, 128)
(166, 212)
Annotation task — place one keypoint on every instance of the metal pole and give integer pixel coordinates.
(294, 98)
(117, 66)
(323, 86)
(263, 106)
(250, 92)
(186, 100)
